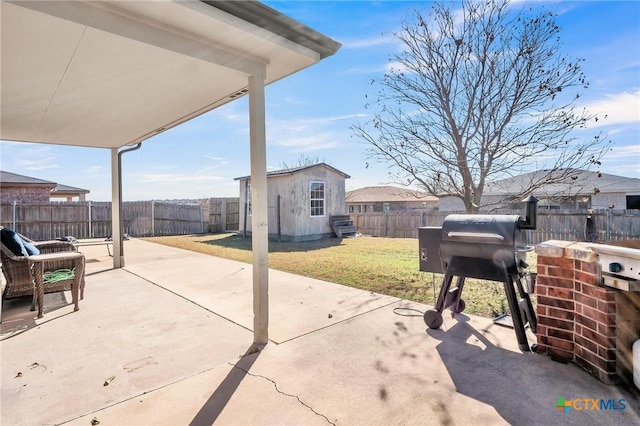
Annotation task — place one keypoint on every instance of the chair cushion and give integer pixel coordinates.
(30, 248)
(13, 242)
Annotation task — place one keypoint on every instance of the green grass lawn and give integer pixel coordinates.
(383, 265)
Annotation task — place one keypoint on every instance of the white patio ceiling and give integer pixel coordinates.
(114, 73)
(109, 74)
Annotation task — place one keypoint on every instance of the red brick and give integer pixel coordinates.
(607, 354)
(608, 342)
(589, 267)
(557, 323)
(541, 310)
(561, 262)
(558, 303)
(602, 317)
(560, 334)
(586, 278)
(554, 271)
(541, 289)
(592, 359)
(559, 354)
(560, 313)
(606, 330)
(587, 322)
(559, 282)
(541, 330)
(598, 292)
(586, 343)
(607, 307)
(560, 293)
(586, 300)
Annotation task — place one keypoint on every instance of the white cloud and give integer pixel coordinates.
(92, 169)
(39, 164)
(365, 43)
(619, 108)
(169, 178)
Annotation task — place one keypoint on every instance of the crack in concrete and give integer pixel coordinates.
(275, 385)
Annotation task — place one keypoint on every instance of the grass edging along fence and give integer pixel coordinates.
(566, 225)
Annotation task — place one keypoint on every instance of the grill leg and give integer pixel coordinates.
(516, 315)
(526, 307)
(444, 291)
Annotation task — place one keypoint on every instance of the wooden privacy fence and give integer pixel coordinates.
(90, 219)
(224, 214)
(568, 225)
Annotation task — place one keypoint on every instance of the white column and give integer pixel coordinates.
(118, 258)
(259, 224)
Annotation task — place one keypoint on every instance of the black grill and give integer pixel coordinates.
(488, 247)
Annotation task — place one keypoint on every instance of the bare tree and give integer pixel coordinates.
(303, 161)
(476, 95)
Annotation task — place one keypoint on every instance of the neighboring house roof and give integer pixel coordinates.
(296, 170)
(14, 179)
(68, 190)
(580, 182)
(387, 194)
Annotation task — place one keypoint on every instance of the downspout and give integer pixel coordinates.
(121, 233)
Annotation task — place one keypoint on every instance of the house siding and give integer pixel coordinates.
(31, 194)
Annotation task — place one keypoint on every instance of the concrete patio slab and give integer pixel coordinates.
(178, 361)
(126, 327)
(297, 305)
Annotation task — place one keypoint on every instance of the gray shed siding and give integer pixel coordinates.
(296, 223)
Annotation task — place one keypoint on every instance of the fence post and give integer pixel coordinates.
(201, 219)
(90, 224)
(13, 214)
(223, 215)
(153, 218)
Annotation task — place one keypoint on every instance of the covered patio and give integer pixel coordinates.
(112, 74)
(169, 332)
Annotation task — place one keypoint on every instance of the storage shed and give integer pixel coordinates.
(300, 202)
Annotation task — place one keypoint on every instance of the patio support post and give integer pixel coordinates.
(118, 258)
(259, 222)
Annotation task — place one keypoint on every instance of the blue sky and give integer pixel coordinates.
(310, 112)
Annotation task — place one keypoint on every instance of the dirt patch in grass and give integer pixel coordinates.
(383, 265)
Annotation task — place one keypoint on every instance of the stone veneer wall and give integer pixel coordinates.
(576, 315)
(31, 194)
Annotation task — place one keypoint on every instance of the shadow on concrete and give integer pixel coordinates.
(236, 241)
(17, 316)
(510, 381)
(224, 392)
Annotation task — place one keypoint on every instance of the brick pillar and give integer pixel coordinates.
(577, 315)
(555, 301)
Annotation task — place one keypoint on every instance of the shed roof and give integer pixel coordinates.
(387, 194)
(293, 170)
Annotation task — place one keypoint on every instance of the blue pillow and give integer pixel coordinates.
(13, 242)
(30, 248)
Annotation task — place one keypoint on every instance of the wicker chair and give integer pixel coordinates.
(21, 272)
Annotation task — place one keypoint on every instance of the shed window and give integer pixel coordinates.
(316, 190)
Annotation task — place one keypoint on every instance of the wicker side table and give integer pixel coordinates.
(36, 264)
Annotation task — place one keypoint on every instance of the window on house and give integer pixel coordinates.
(350, 209)
(316, 190)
